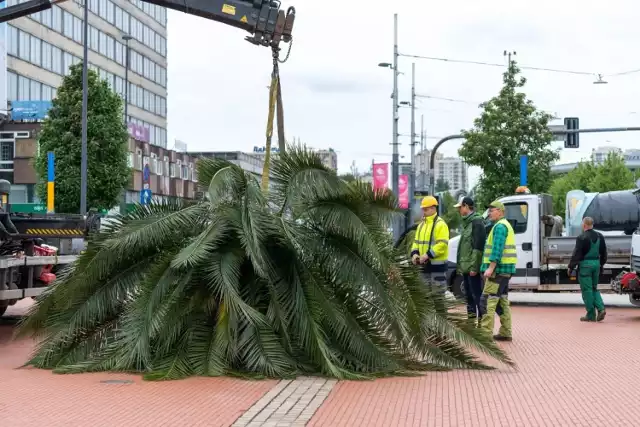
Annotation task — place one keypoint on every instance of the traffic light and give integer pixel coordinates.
(572, 140)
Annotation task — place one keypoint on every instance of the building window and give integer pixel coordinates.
(6, 151)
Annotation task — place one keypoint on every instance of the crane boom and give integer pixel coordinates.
(263, 19)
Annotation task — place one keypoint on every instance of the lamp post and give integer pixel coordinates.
(394, 140)
(85, 102)
(127, 54)
(126, 38)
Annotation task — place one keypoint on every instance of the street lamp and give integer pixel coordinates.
(127, 53)
(394, 160)
(85, 103)
(126, 38)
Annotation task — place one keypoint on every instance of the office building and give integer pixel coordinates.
(599, 155)
(328, 157)
(40, 48)
(454, 171)
(422, 164)
(172, 173)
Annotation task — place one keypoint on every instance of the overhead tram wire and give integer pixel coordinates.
(494, 64)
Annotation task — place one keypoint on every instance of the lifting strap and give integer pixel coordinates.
(275, 108)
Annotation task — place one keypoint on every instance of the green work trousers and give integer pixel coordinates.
(496, 291)
(588, 276)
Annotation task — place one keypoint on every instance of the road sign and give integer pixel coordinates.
(558, 128)
(145, 197)
(146, 174)
(28, 208)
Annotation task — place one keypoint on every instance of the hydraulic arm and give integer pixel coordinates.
(265, 21)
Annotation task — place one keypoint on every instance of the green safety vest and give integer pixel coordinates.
(509, 254)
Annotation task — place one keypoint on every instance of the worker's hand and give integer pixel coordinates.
(488, 273)
(415, 259)
(473, 273)
(424, 259)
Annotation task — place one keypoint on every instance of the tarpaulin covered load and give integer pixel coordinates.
(612, 211)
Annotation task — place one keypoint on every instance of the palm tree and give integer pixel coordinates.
(302, 281)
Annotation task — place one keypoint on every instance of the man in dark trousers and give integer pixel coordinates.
(589, 257)
(469, 256)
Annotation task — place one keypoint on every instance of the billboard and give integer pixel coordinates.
(139, 133)
(30, 110)
(380, 175)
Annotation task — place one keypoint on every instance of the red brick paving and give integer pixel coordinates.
(570, 374)
(33, 397)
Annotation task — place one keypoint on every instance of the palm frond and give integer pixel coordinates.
(306, 281)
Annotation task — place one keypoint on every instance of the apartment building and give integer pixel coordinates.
(454, 171)
(41, 48)
(172, 174)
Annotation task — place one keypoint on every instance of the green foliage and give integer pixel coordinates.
(347, 177)
(449, 213)
(509, 126)
(442, 185)
(305, 281)
(611, 175)
(108, 172)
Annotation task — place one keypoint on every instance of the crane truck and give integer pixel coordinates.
(544, 253)
(27, 264)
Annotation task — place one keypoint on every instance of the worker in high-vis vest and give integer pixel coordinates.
(498, 265)
(430, 247)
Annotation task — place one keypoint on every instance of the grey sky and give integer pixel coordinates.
(336, 96)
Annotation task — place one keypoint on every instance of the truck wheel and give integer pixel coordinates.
(635, 299)
(457, 287)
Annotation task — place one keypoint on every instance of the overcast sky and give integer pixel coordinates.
(336, 96)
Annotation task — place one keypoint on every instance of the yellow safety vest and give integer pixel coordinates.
(439, 240)
(509, 254)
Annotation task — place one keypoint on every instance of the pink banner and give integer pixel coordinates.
(403, 190)
(380, 175)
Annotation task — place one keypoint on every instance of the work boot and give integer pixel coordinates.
(601, 315)
(502, 338)
(586, 319)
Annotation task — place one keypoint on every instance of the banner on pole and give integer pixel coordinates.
(380, 176)
(403, 191)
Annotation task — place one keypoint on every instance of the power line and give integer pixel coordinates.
(493, 64)
(439, 98)
(624, 73)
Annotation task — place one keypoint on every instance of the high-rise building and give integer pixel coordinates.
(454, 171)
(41, 47)
(421, 162)
(599, 155)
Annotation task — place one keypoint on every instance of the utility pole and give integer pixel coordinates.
(412, 174)
(394, 141)
(85, 104)
(508, 55)
(423, 182)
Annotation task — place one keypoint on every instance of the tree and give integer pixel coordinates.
(442, 185)
(577, 179)
(509, 126)
(450, 214)
(611, 175)
(301, 280)
(347, 177)
(107, 172)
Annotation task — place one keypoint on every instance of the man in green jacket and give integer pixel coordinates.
(469, 257)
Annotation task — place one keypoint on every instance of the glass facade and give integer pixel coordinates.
(56, 57)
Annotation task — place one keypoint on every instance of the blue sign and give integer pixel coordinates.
(524, 160)
(146, 174)
(264, 149)
(145, 196)
(30, 110)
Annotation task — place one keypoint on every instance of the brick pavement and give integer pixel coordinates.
(570, 374)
